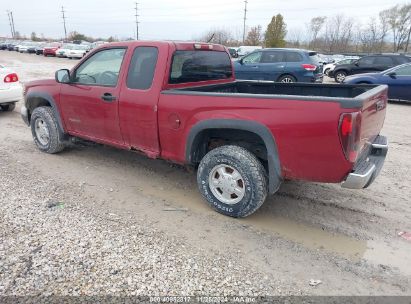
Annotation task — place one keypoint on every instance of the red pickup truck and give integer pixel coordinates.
(181, 102)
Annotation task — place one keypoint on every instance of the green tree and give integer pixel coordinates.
(34, 37)
(77, 36)
(276, 31)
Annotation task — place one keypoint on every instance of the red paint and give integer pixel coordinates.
(307, 133)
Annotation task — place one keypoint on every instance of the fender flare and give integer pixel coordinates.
(29, 100)
(274, 167)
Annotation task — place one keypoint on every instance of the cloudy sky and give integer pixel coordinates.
(176, 19)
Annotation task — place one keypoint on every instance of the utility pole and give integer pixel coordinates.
(245, 18)
(137, 21)
(11, 26)
(408, 40)
(64, 22)
(12, 23)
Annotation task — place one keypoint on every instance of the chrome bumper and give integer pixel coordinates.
(25, 115)
(368, 168)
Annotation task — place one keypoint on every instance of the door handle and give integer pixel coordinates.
(108, 97)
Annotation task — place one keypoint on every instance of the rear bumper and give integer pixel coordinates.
(367, 168)
(12, 94)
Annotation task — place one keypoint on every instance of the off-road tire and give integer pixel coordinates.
(55, 143)
(250, 169)
(8, 107)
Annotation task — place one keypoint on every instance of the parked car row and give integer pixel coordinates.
(57, 49)
(367, 64)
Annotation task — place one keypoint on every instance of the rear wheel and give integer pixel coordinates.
(287, 79)
(45, 130)
(232, 180)
(9, 107)
(340, 76)
(326, 72)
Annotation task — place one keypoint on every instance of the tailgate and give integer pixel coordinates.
(373, 114)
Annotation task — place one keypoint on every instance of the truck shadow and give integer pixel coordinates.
(324, 206)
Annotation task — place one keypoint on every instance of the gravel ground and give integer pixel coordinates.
(94, 220)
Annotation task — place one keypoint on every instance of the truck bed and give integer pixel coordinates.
(349, 96)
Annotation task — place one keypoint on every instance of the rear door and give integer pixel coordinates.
(248, 67)
(272, 65)
(89, 102)
(139, 97)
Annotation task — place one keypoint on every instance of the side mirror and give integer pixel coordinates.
(356, 63)
(62, 76)
(392, 75)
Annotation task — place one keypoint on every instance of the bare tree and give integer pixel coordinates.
(338, 33)
(295, 37)
(372, 36)
(217, 35)
(254, 36)
(399, 20)
(316, 25)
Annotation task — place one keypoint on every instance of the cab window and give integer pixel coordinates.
(253, 58)
(102, 68)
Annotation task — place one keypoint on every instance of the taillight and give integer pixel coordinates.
(11, 78)
(350, 129)
(309, 67)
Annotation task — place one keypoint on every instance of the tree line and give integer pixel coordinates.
(389, 31)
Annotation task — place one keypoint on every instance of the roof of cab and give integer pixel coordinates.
(179, 45)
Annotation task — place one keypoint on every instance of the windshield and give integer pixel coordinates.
(194, 66)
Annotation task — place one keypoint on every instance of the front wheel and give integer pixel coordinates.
(45, 130)
(9, 107)
(232, 180)
(340, 76)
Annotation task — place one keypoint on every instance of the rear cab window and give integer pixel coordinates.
(141, 69)
(201, 65)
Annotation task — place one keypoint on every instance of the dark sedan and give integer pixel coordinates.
(397, 78)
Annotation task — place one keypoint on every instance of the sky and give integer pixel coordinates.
(172, 19)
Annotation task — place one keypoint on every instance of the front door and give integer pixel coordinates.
(90, 101)
(248, 67)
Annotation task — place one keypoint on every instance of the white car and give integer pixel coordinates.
(11, 90)
(62, 52)
(78, 51)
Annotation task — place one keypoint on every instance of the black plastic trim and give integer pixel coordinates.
(31, 95)
(274, 168)
(345, 103)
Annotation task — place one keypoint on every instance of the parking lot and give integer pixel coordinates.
(96, 220)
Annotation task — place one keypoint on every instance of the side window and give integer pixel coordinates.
(403, 71)
(366, 60)
(272, 57)
(102, 68)
(252, 58)
(141, 70)
(384, 60)
(403, 59)
(293, 57)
